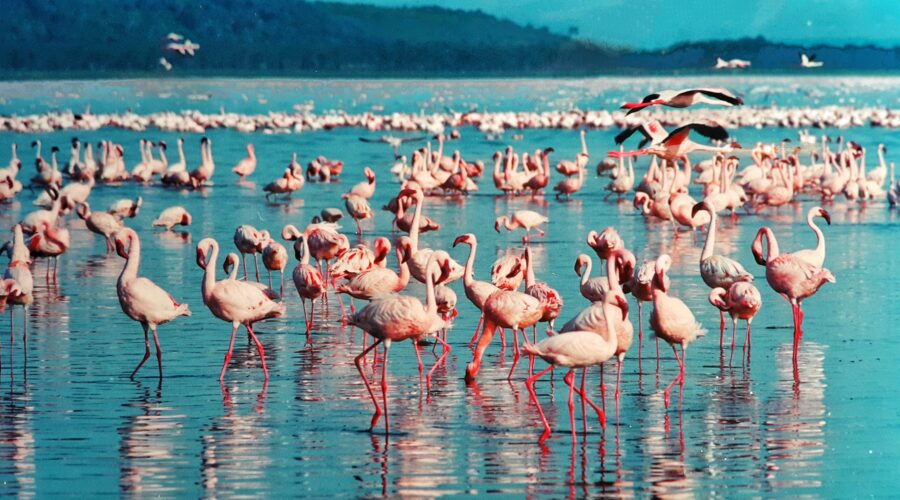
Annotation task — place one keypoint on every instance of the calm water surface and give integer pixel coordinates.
(72, 422)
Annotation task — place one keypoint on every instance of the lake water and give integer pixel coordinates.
(73, 423)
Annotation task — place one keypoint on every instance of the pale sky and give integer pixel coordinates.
(660, 23)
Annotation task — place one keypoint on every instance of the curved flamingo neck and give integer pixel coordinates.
(820, 237)
(710, 244)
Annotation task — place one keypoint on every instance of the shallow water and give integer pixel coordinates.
(72, 421)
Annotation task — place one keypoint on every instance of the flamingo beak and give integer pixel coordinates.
(825, 215)
(120, 249)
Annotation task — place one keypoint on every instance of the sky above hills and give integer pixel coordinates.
(651, 24)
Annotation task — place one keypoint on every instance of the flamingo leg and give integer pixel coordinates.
(146, 351)
(158, 352)
(733, 334)
(569, 380)
(228, 354)
(384, 389)
(362, 374)
(477, 329)
(259, 348)
(445, 351)
(529, 382)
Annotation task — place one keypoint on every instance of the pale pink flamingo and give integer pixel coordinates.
(592, 318)
(672, 321)
(358, 208)
(508, 272)
(394, 318)
(141, 299)
(718, 271)
(577, 349)
(419, 257)
(237, 302)
(18, 270)
(792, 277)
(522, 219)
(685, 98)
(102, 223)
(248, 239)
(505, 309)
(815, 256)
(49, 241)
(173, 216)
(275, 258)
(309, 282)
(247, 165)
(569, 167)
(366, 189)
(379, 281)
(476, 291)
(742, 301)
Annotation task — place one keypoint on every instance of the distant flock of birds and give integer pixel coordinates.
(327, 265)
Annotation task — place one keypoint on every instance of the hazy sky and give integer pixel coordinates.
(659, 23)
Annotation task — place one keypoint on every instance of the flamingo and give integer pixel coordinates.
(173, 216)
(51, 242)
(248, 239)
(522, 219)
(792, 277)
(246, 166)
(685, 98)
(574, 350)
(742, 300)
(672, 321)
(718, 271)
(102, 223)
(309, 282)
(358, 208)
(237, 302)
(816, 256)
(275, 258)
(378, 281)
(394, 318)
(476, 291)
(366, 189)
(141, 299)
(18, 270)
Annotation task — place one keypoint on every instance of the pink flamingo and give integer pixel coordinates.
(718, 271)
(309, 282)
(506, 309)
(394, 318)
(141, 299)
(275, 258)
(742, 301)
(18, 270)
(574, 350)
(248, 239)
(792, 277)
(672, 321)
(246, 166)
(476, 291)
(237, 302)
(51, 242)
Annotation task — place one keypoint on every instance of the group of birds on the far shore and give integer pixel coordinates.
(328, 266)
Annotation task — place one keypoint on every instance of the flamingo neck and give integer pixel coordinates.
(820, 237)
(710, 244)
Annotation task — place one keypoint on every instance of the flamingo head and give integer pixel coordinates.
(662, 265)
(580, 262)
(467, 239)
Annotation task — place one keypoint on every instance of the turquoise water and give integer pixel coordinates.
(72, 421)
